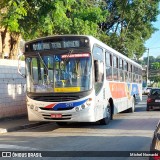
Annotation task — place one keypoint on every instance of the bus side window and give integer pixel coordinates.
(115, 68)
(108, 66)
(121, 74)
(134, 74)
(126, 70)
(99, 74)
(98, 67)
(131, 73)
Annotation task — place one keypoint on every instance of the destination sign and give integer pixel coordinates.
(41, 46)
(57, 43)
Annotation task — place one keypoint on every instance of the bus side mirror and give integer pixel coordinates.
(20, 58)
(96, 70)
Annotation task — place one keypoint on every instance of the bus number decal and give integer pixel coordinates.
(69, 104)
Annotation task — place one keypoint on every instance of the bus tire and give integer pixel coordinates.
(147, 108)
(106, 119)
(61, 123)
(131, 110)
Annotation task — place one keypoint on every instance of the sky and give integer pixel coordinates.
(154, 42)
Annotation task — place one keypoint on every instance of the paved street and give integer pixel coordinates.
(127, 132)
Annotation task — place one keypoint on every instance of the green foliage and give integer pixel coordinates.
(62, 17)
(11, 14)
(124, 25)
(154, 71)
(152, 60)
(156, 65)
(155, 79)
(131, 21)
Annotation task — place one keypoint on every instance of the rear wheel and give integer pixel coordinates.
(106, 119)
(147, 109)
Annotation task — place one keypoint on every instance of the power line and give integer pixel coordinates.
(153, 47)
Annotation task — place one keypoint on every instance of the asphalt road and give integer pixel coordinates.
(127, 132)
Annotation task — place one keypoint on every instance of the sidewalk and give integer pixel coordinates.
(14, 124)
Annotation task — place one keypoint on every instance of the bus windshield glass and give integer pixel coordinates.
(59, 73)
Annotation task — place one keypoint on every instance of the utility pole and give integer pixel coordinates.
(147, 65)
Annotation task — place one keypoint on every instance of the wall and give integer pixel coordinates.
(12, 89)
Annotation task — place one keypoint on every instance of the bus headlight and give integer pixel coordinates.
(77, 109)
(36, 108)
(83, 106)
(89, 102)
(31, 106)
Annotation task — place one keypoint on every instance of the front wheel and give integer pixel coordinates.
(147, 109)
(106, 119)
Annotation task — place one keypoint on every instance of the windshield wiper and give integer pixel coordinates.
(45, 66)
(42, 61)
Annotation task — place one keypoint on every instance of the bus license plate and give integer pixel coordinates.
(56, 115)
(157, 100)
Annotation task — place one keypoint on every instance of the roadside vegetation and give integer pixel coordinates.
(124, 25)
(154, 70)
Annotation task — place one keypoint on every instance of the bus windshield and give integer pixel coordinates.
(59, 73)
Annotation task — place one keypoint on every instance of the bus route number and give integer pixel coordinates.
(69, 104)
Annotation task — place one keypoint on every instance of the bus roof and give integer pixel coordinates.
(94, 40)
(113, 51)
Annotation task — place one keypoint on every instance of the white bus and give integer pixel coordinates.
(77, 78)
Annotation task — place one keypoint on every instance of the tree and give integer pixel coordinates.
(155, 72)
(156, 65)
(129, 24)
(158, 59)
(36, 18)
(124, 25)
(11, 12)
(61, 17)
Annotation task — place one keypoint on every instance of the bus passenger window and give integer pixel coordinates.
(99, 74)
(115, 68)
(108, 66)
(137, 78)
(140, 79)
(134, 78)
(131, 73)
(121, 74)
(126, 71)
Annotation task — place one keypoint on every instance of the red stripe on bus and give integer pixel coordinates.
(50, 106)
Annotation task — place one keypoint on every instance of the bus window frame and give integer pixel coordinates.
(109, 66)
(98, 85)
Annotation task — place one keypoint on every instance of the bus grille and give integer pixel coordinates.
(58, 109)
(56, 98)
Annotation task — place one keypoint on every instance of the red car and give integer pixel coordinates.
(153, 100)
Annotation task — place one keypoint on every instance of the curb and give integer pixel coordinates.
(2, 130)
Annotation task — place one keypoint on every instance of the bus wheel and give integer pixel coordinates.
(147, 109)
(61, 123)
(106, 119)
(131, 110)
